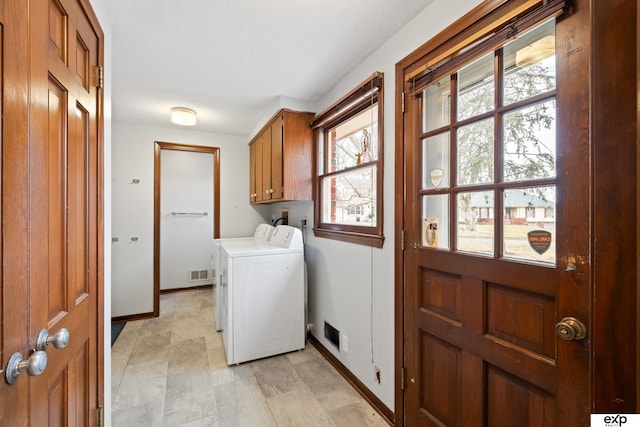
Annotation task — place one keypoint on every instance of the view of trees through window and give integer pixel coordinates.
(353, 147)
(515, 127)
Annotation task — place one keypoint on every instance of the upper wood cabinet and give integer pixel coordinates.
(280, 158)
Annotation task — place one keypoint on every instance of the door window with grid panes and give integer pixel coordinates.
(489, 153)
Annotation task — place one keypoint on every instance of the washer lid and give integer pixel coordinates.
(256, 249)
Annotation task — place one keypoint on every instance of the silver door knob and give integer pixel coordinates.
(571, 328)
(34, 365)
(60, 339)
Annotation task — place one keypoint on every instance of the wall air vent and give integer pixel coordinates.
(332, 334)
(198, 275)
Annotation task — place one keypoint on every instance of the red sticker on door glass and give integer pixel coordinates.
(539, 240)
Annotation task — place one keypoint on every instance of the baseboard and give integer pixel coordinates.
(190, 288)
(130, 317)
(367, 394)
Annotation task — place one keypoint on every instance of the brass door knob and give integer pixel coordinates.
(571, 328)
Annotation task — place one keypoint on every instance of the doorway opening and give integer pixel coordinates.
(179, 213)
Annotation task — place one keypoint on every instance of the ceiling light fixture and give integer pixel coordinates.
(183, 116)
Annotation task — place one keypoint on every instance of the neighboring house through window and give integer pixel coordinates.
(489, 147)
(348, 137)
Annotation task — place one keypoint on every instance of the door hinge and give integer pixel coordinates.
(99, 417)
(100, 77)
(403, 102)
(403, 375)
(402, 240)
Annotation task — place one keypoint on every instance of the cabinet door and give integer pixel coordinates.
(280, 159)
(277, 176)
(258, 170)
(267, 185)
(252, 172)
(296, 156)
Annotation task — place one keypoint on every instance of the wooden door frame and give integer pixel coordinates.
(159, 146)
(615, 227)
(613, 142)
(93, 19)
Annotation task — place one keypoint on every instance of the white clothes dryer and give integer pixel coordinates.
(263, 233)
(263, 296)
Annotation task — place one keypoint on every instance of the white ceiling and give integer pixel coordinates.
(233, 60)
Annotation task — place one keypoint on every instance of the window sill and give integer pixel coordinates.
(373, 240)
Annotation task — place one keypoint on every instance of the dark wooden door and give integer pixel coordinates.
(51, 164)
(497, 254)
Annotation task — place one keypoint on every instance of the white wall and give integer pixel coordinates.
(352, 286)
(277, 104)
(132, 211)
(186, 233)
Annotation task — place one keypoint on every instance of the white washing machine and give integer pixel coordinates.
(263, 233)
(263, 296)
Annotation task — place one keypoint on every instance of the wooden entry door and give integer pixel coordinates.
(52, 212)
(496, 260)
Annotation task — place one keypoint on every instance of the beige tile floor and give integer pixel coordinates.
(171, 371)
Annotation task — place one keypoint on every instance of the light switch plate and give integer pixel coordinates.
(344, 343)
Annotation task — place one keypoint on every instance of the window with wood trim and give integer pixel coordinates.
(488, 126)
(349, 150)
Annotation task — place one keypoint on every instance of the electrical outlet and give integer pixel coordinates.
(285, 216)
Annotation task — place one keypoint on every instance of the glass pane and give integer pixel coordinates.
(476, 89)
(475, 153)
(354, 141)
(530, 142)
(435, 221)
(321, 160)
(476, 212)
(530, 224)
(350, 197)
(530, 64)
(435, 161)
(437, 105)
